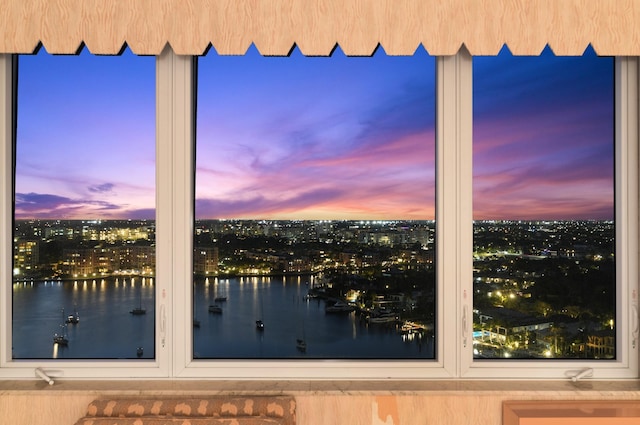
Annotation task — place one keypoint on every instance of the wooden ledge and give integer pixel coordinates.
(585, 412)
(511, 389)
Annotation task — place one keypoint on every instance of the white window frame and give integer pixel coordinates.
(626, 224)
(159, 367)
(175, 141)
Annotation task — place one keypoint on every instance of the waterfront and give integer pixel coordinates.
(108, 330)
(288, 315)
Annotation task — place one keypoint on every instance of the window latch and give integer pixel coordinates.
(634, 325)
(163, 324)
(41, 374)
(465, 331)
(584, 373)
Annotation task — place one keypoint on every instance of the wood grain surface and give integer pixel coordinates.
(317, 26)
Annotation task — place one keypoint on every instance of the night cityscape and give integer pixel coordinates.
(542, 289)
(318, 176)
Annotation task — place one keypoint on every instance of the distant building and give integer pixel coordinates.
(101, 261)
(601, 344)
(205, 260)
(80, 262)
(25, 257)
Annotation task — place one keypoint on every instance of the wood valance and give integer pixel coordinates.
(399, 27)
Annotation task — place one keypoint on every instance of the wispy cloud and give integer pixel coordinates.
(101, 188)
(50, 206)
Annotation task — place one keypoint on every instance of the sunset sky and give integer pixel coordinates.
(315, 138)
(543, 137)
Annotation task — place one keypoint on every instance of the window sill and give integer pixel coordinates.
(516, 389)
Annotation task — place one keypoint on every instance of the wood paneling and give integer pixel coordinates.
(317, 409)
(316, 26)
(585, 412)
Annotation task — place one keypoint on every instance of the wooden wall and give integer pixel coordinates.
(315, 26)
(317, 403)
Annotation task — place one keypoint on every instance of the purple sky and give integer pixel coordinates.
(315, 138)
(543, 137)
(85, 137)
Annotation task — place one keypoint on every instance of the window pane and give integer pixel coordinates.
(84, 240)
(315, 191)
(544, 237)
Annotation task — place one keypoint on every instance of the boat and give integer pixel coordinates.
(301, 345)
(259, 322)
(196, 322)
(382, 316)
(339, 307)
(215, 308)
(383, 319)
(137, 311)
(73, 318)
(61, 339)
(139, 351)
(412, 327)
(220, 299)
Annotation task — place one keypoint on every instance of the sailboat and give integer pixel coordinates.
(215, 308)
(61, 339)
(259, 322)
(301, 343)
(137, 311)
(196, 322)
(73, 318)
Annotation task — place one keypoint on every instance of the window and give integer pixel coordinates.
(610, 199)
(315, 204)
(544, 230)
(84, 238)
(175, 336)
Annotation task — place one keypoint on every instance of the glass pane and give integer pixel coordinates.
(84, 240)
(544, 236)
(315, 191)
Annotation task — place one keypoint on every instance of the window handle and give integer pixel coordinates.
(465, 332)
(163, 324)
(634, 325)
(41, 374)
(584, 373)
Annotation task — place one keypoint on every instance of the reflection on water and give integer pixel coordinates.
(288, 315)
(106, 329)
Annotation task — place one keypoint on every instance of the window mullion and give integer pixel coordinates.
(7, 88)
(453, 210)
(175, 207)
(627, 161)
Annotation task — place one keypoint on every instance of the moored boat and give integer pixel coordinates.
(339, 307)
(301, 345)
(215, 309)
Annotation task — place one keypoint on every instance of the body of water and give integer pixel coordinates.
(107, 329)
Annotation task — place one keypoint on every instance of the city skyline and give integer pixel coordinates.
(329, 157)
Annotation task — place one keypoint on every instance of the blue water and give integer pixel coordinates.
(108, 331)
(106, 328)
